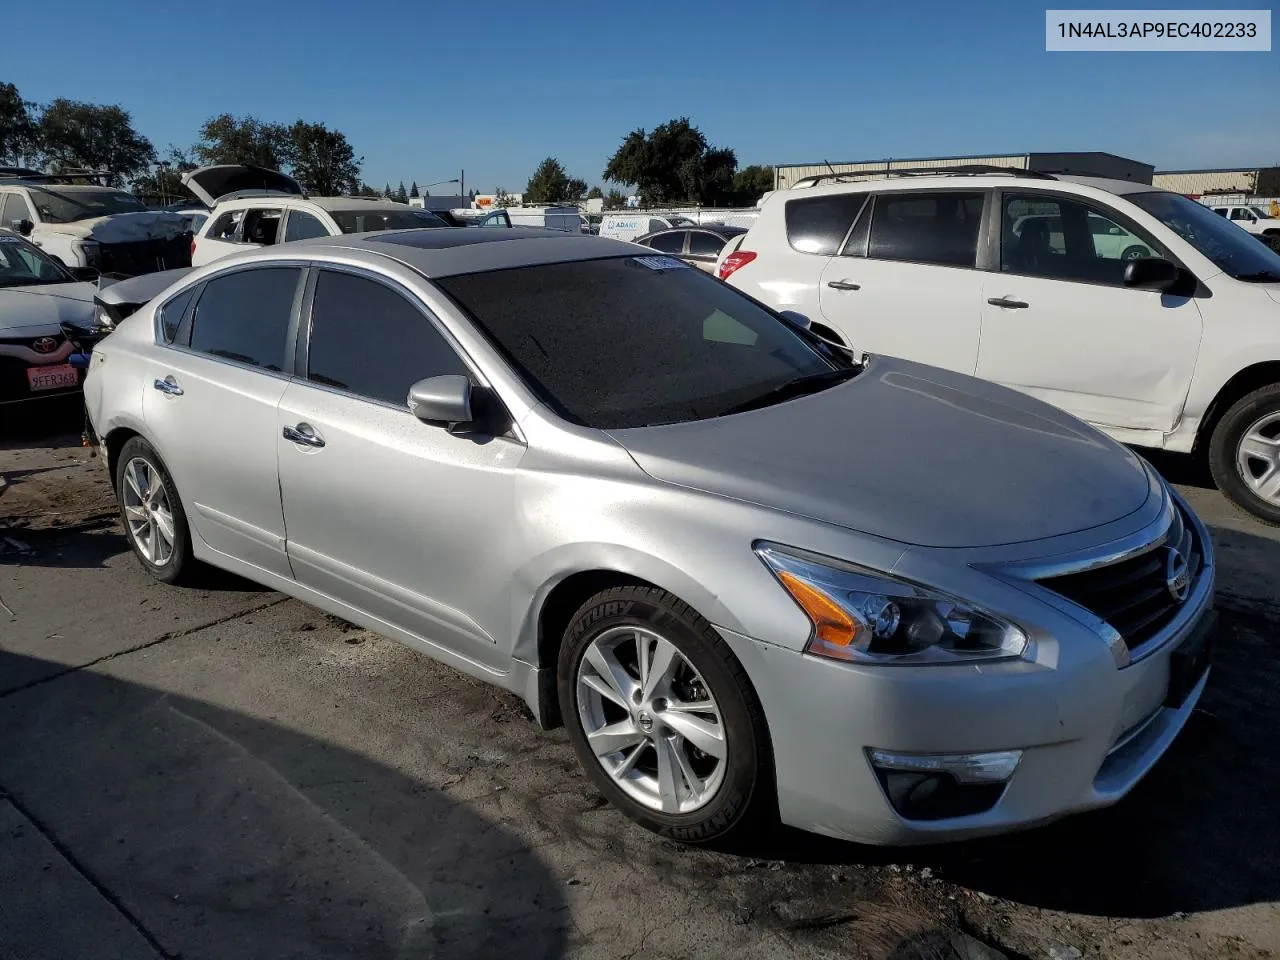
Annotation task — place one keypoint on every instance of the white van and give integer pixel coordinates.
(629, 226)
(552, 218)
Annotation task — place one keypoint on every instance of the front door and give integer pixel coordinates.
(1059, 324)
(905, 284)
(399, 518)
(210, 405)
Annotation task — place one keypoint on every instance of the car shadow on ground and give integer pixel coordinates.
(225, 834)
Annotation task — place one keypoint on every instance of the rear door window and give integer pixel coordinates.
(225, 227)
(939, 228)
(303, 226)
(244, 316)
(672, 242)
(261, 227)
(818, 224)
(703, 244)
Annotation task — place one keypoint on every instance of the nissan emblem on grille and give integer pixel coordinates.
(44, 345)
(1177, 574)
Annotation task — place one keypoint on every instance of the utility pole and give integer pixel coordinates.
(462, 184)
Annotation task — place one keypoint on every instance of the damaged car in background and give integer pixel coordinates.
(80, 222)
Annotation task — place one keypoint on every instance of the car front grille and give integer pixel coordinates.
(13, 370)
(144, 256)
(1134, 595)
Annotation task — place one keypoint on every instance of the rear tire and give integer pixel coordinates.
(1244, 453)
(152, 513)
(659, 777)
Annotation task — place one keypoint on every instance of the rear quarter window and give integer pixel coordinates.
(817, 225)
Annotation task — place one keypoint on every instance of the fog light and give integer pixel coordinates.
(941, 786)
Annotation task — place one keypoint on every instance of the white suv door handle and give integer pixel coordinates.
(1008, 303)
(843, 285)
(304, 434)
(168, 385)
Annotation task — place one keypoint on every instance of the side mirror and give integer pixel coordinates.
(90, 274)
(1150, 273)
(797, 320)
(442, 400)
(24, 226)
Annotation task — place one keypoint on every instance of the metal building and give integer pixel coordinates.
(1084, 164)
(1198, 182)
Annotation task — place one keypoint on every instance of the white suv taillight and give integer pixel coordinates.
(735, 261)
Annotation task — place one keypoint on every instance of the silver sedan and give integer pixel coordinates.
(754, 580)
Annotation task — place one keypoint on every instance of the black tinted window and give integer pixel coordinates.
(171, 313)
(1046, 236)
(703, 244)
(668, 242)
(818, 224)
(14, 211)
(244, 316)
(370, 340)
(302, 226)
(926, 227)
(631, 341)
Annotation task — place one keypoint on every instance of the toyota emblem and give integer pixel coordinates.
(44, 344)
(1177, 574)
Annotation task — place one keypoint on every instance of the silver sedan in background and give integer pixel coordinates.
(754, 580)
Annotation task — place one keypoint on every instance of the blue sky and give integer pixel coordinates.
(424, 90)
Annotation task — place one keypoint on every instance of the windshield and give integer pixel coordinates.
(634, 341)
(22, 265)
(1260, 213)
(59, 206)
(363, 221)
(1239, 254)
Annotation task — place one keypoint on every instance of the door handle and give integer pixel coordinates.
(1007, 303)
(303, 434)
(843, 285)
(168, 385)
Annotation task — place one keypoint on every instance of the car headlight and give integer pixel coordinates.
(102, 322)
(864, 616)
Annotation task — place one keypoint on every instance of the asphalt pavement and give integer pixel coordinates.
(218, 772)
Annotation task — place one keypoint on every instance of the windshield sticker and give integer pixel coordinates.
(9, 238)
(661, 263)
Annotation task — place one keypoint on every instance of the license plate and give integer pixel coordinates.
(51, 378)
(1189, 660)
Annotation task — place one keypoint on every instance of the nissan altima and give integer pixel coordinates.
(753, 579)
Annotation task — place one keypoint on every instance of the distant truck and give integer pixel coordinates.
(81, 223)
(567, 219)
(1254, 219)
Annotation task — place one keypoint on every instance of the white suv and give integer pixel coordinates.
(1138, 310)
(254, 207)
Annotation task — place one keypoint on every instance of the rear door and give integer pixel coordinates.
(385, 512)
(1058, 322)
(210, 404)
(906, 283)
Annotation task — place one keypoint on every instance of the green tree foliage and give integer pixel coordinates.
(401, 193)
(501, 199)
(163, 183)
(321, 160)
(549, 183)
(615, 200)
(88, 136)
(18, 138)
(674, 163)
(228, 139)
(595, 193)
(751, 183)
(413, 190)
(387, 192)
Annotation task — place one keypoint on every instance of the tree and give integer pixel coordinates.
(322, 160)
(90, 136)
(501, 198)
(575, 190)
(386, 192)
(413, 190)
(228, 139)
(595, 193)
(615, 200)
(549, 183)
(673, 163)
(163, 184)
(18, 140)
(367, 191)
(401, 193)
(751, 183)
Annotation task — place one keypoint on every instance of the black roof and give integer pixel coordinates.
(439, 238)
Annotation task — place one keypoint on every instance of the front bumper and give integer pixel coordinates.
(1088, 729)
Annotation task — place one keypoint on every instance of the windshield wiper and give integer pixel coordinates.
(809, 383)
(1262, 276)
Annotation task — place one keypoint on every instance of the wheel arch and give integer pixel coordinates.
(1252, 377)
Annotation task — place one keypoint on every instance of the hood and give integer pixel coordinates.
(35, 310)
(124, 227)
(124, 297)
(911, 453)
(210, 184)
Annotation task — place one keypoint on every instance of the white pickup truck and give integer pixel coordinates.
(1254, 219)
(85, 224)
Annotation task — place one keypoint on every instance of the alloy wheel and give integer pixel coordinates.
(1258, 458)
(148, 511)
(651, 721)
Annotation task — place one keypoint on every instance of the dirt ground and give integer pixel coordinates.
(221, 771)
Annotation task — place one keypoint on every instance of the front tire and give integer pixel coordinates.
(663, 717)
(152, 513)
(1244, 453)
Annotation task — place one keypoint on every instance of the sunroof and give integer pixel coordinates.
(441, 238)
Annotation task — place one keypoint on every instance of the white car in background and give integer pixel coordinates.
(1254, 219)
(1138, 310)
(564, 218)
(254, 207)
